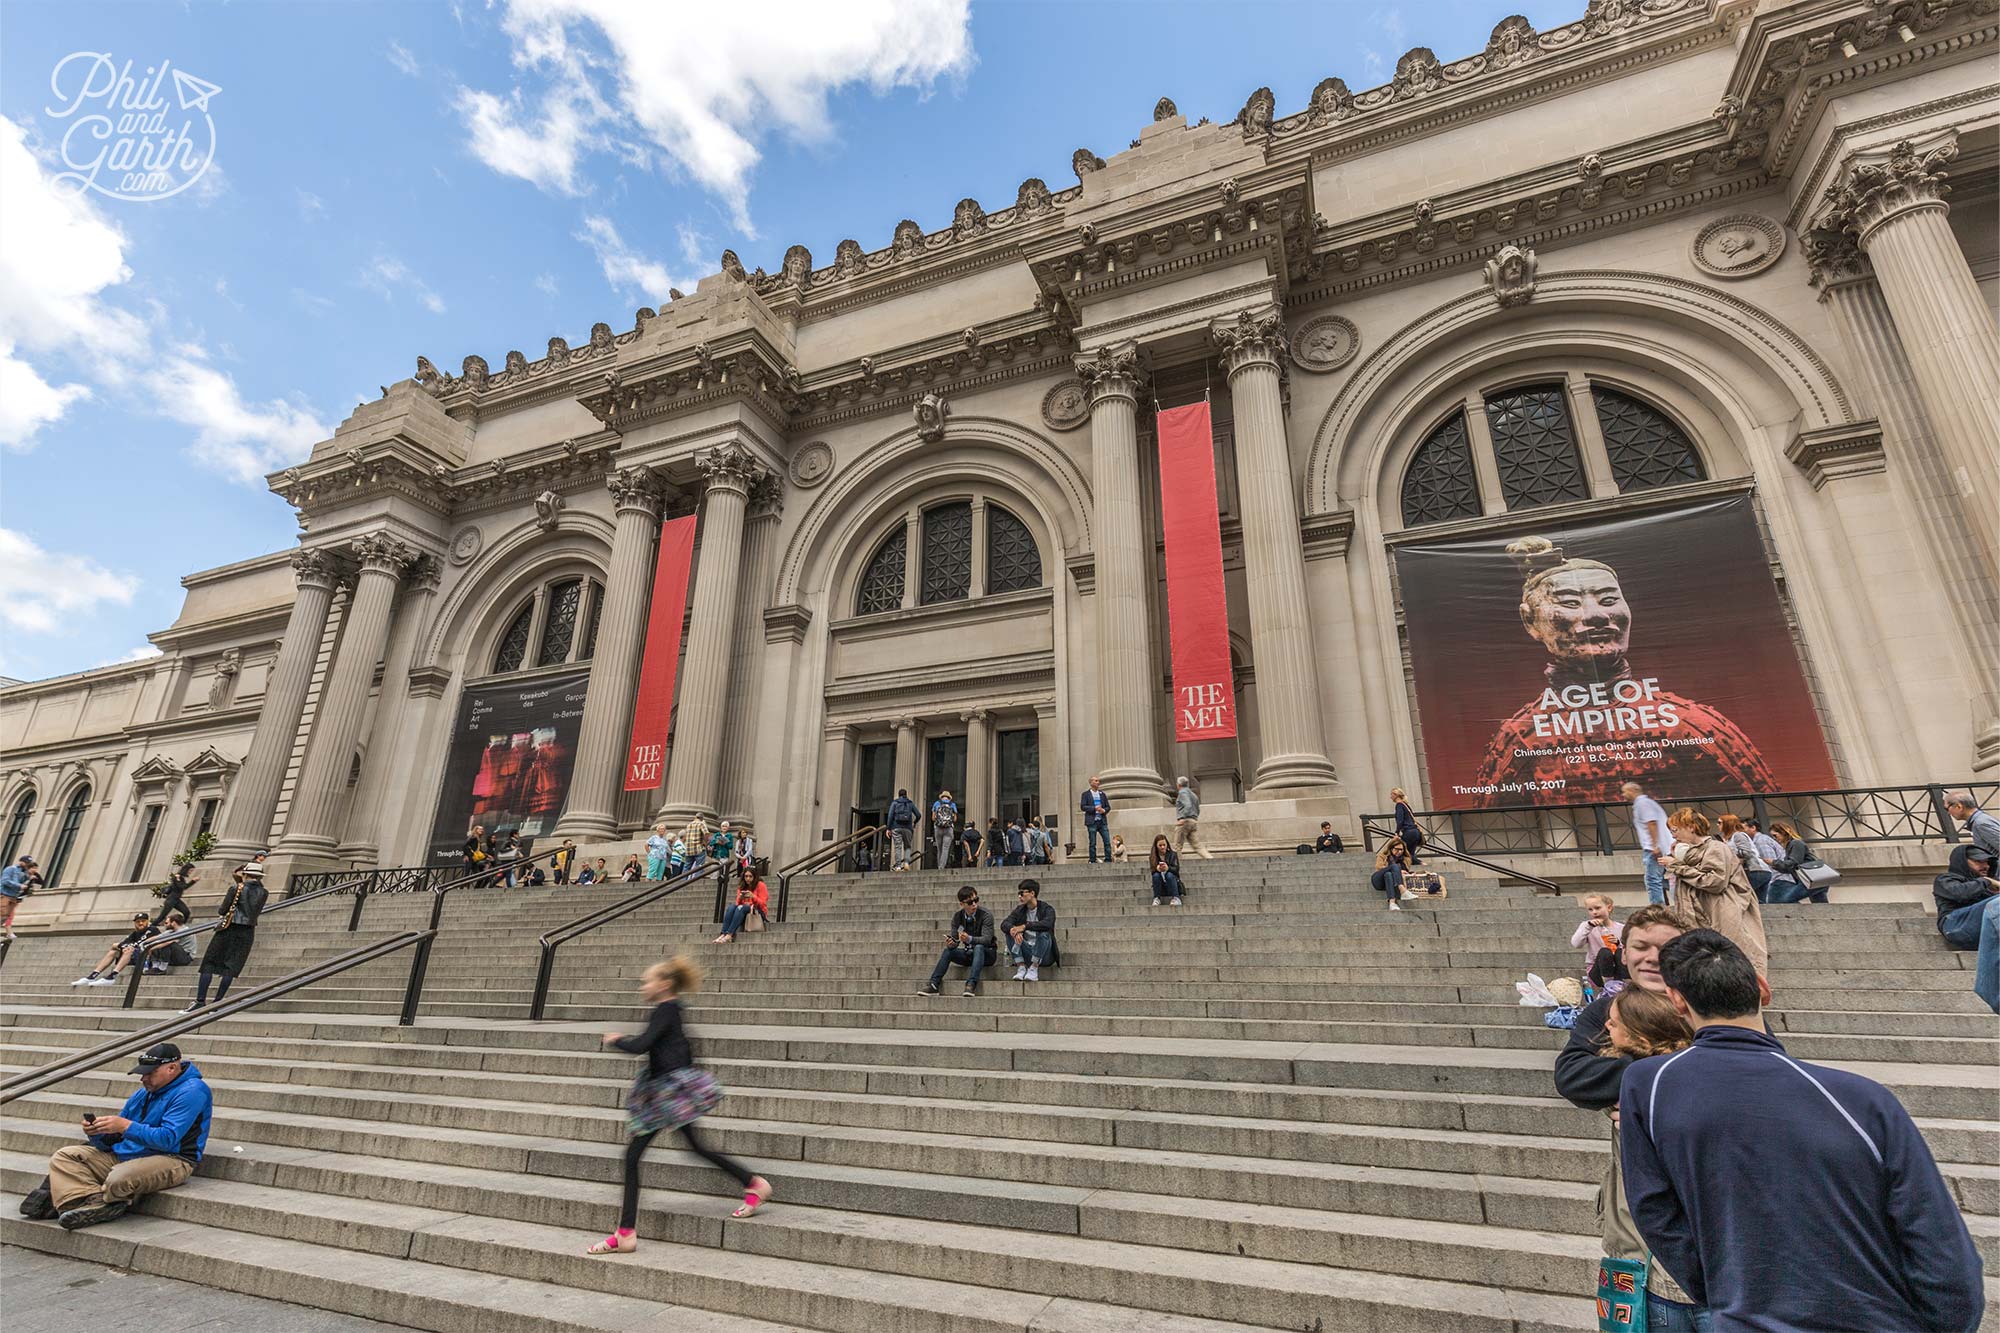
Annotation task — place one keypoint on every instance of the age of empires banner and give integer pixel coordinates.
(509, 763)
(1553, 668)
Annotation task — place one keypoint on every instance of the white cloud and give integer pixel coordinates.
(28, 402)
(615, 76)
(404, 59)
(545, 283)
(240, 439)
(145, 652)
(1374, 65)
(632, 275)
(386, 277)
(1390, 21)
(694, 246)
(45, 591)
(311, 207)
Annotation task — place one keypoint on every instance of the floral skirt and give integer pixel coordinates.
(668, 1101)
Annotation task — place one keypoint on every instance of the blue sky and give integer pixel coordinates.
(447, 178)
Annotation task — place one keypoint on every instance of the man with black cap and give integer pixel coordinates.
(152, 1144)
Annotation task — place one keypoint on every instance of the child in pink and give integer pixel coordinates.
(1596, 928)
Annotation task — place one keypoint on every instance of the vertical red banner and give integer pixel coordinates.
(1197, 608)
(644, 762)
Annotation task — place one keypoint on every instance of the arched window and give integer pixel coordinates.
(1647, 449)
(549, 621)
(882, 580)
(559, 627)
(1440, 483)
(1534, 446)
(72, 822)
(17, 827)
(514, 643)
(947, 569)
(1013, 561)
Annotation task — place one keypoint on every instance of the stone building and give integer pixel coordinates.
(1705, 244)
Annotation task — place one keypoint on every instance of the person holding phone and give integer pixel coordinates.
(152, 1144)
(968, 939)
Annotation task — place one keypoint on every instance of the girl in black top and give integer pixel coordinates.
(665, 1045)
(1166, 872)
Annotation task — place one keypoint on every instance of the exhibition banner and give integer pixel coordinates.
(1552, 668)
(1197, 608)
(653, 711)
(508, 764)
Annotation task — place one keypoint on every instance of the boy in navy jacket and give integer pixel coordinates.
(1786, 1197)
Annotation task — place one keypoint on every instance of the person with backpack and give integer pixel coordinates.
(944, 827)
(902, 820)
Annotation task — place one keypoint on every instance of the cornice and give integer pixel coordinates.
(1813, 182)
(890, 624)
(266, 619)
(1851, 449)
(787, 624)
(1550, 516)
(1327, 536)
(917, 691)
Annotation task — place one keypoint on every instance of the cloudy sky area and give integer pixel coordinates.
(447, 178)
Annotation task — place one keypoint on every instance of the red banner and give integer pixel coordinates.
(1197, 609)
(644, 764)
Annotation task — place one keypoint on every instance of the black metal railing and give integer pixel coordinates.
(159, 942)
(1847, 815)
(35, 1080)
(583, 925)
(1370, 832)
(381, 879)
(834, 853)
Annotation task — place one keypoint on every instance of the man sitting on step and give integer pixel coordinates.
(152, 1144)
(119, 955)
(1031, 932)
(968, 939)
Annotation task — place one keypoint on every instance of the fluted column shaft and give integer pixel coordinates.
(253, 800)
(909, 736)
(591, 810)
(1291, 736)
(746, 673)
(694, 767)
(977, 804)
(310, 825)
(374, 804)
(1127, 689)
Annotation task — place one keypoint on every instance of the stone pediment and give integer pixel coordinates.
(156, 772)
(210, 763)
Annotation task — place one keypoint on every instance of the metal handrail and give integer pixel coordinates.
(35, 1080)
(1504, 871)
(189, 932)
(814, 860)
(381, 879)
(550, 942)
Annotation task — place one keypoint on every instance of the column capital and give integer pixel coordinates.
(975, 715)
(315, 568)
(1252, 338)
(1875, 192)
(730, 467)
(381, 553)
(1833, 258)
(907, 724)
(426, 571)
(1112, 371)
(767, 496)
(636, 489)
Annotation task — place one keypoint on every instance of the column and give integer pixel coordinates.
(909, 756)
(978, 588)
(694, 767)
(590, 814)
(977, 802)
(1127, 688)
(312, 825)
(1895, 211)
(1590, 436)
(1290, 733)
(253, 799)
(385, 782)
(746, 751)
(1964, 553)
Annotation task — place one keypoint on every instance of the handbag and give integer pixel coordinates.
(668, 1101)
(753, 923)
(1817, 875)
(1621, 1296)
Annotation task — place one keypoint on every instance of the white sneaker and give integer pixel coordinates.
(1395, 906)
(1034, 974)
(1173, 902)
(105, 981)
(1020, 974)
(1156, 902)
(83, 980)
(191, 1008)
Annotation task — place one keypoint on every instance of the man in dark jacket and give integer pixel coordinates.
(902, 820)
(968, 939)
(1962, 892)
(1031, 932)
(152, 1144)
(1584, 1075)
(1096, 806)
(1731, 1142)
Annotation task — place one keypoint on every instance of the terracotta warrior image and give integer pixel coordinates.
(1601, 720)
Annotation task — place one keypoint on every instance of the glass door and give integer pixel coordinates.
(944, 770)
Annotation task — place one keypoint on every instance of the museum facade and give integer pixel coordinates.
(1630, 387)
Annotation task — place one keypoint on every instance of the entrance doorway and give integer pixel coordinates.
(944, 770)
(1020, 776)
(874, 789)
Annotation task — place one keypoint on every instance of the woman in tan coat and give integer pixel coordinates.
(1711, 888)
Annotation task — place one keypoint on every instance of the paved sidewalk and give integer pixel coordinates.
(48, 1291)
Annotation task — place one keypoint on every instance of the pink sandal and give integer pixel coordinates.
(756, 1196)
(618, 1242)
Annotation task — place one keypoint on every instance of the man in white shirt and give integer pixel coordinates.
(1655, 839)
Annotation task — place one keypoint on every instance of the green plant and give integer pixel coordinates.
(196, 850)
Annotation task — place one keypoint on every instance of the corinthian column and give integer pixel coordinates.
(1126, 685)
(246, 824)
(1290, 736)
(385, 787)
(746, 672)
(590, 813)
(311, 825)
(694, 767)
(1964, 552)
(1896, 213)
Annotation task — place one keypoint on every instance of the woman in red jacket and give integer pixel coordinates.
(751, 896)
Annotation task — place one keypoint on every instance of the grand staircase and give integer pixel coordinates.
(1279, 1106)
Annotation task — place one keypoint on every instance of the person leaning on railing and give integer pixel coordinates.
(152, 1144)
(228, 949)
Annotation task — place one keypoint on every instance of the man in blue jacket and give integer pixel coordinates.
(150, 1145)
(1730, 1145)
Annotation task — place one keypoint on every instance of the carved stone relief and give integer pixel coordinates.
(1326, 343)
(1066, 406)
(812, 464)
(1738, 246)
(465, 544)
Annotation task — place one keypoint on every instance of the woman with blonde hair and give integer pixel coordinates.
(1391, 864)
(1406, 825)
(1711, 888)
(670, 1093)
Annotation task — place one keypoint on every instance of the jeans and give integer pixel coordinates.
(1665, 1316)
(1656, 880)
(1033, 948)
(1095, 831)
(899, 847)
(733, 919)
(1961, 926)
(973, 956)
(947, 838)
(656, 867)
(1782, 890)
(1760, 882)
(1166, 884)
(1388, 880)
(1986, 976)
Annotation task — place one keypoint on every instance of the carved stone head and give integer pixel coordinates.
(847, 259)
(1164, 109)
(798, 267)
(474, 372)
(1510, 273)
(931, 412)
(909, 239)
(1330, 101)
(1032, 199)
(967, 219)
(733, 266)
(1255, 117)
(1513, 41)
(1083, 162)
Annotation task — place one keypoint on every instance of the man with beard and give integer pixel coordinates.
(1635, 731)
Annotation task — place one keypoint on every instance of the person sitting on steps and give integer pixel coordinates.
(1391, 864)
(152, 1144)
(1031, 928)
(751, 896)
(1166, 867)
(1328, 840)
(119, 955)
(968, 939)
(631, 872)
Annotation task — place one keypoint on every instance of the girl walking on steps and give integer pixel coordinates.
(670, 1093)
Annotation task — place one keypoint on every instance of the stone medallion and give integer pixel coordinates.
(1327, 343)
(812, 464)
(465, 544)
(1066, 406)
(1739, 246)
